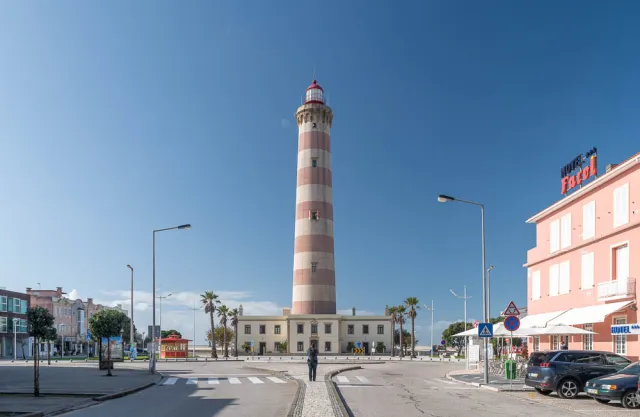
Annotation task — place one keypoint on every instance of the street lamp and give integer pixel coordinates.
(15, 338)
(62, 340)
(466, 345)
(152, 362)
(194, 327)
(160, 344)
(444, 199)
(131, 335)
(432, 309)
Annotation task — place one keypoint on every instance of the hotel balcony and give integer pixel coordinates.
(617, 290)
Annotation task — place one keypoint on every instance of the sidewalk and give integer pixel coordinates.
(63, 387)
(496, 383)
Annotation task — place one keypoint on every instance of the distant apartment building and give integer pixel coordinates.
(71, 319)
(581, 272)
(13, 322)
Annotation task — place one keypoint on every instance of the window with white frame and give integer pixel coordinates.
(3, 303)
(565, 231)
(620, 340)
(621, 255)
(554, 277)
(554, 236)
(565, 278)
(536, 343)
(587, 272)
(535, 285)
(23, 306)
(3, 325)
(554, 343)
(621, 205)
(22, 326)
(587, 339)
(589, 220)
(16, 305)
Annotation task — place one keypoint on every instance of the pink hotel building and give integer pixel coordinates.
(582, 271)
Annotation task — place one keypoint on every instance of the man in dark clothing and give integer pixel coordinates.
(312, 361)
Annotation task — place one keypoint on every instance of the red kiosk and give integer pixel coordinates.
(174, 346)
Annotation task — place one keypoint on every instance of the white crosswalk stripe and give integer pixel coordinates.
(255, 380)
(170, 381)
(276, 380)
(362, 379)
(342, 379)
(234, 381)
(213, 381)
(192, 381)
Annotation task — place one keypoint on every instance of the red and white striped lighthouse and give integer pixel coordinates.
(314, 278)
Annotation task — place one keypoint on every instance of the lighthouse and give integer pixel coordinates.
(314, 277)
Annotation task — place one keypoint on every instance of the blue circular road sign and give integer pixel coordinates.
(443, 342)
(512, 323)
(358, 344)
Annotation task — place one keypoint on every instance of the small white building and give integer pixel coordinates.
(333, 334)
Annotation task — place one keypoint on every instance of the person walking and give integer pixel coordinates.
(312, 361)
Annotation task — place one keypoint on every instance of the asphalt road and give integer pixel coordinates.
(421, 389)
(199, 390)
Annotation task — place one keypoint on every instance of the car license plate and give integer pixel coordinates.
(533, 375)
(592, 391)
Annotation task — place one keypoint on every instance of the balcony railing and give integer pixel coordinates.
(618, 289)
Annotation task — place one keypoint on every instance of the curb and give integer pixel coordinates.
(34, 414)
(295, 409)
(337, 402)
(484, 386)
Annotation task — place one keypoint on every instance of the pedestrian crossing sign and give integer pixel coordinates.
(485, 330)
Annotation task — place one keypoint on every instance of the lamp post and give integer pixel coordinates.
(443, 199)
(464, 298)
(131, 335)
(432, 309)
(489, 290)
(15, 338)
(194, 327)
(62, 340)
(160, 343)
(152, 362)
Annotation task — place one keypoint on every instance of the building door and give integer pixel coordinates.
(365, 345)
(263, 348)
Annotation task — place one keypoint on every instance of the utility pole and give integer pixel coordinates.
(466, 345)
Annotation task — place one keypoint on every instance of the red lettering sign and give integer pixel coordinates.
(572, 181)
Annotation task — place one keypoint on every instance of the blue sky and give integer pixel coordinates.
(119, 118)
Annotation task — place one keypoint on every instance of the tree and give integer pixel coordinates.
(107, 323)
(401, 311)
(209, 300)
(166, 333)
(50, 336)
(455, 342)
(233, 321)
(246, 346)
(223, 310)
(39, 321)
(413, 304)
(406, 339)
(393, 312)
(220, 337)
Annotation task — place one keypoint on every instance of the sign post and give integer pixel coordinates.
(252, 350)
(511, 323)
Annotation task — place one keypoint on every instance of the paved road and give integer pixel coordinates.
(410, 390)
(198, 389)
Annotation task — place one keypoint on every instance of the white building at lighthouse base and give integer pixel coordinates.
(333, 334)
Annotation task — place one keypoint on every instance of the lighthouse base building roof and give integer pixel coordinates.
(332, 333)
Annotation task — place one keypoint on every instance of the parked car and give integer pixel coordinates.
(567, 371)
(620, 386)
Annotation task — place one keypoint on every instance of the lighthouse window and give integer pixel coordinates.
(314, 215)
(314, 162)
(314, 125)
(314, 266)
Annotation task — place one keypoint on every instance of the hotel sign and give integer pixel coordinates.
(624, 329)
(575, 172)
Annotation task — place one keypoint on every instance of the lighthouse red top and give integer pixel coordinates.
(314, 94)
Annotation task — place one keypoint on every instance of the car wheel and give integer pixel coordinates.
(630, 399)
(601, 401)
(568, 388)
(543, 391)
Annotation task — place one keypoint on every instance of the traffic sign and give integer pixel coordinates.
(252, 343)
(359, 344)
(358, 350)
(512, 323)
(511, 310)
(88, 335)
(475, 324)
(443, 342)
(485, 330)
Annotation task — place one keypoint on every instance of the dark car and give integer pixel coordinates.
(567, 371)
(621, 386)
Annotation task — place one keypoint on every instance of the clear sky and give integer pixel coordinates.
(122, 117)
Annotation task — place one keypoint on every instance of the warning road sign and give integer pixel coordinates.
(511, 310)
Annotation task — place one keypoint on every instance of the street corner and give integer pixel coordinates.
(496, 383)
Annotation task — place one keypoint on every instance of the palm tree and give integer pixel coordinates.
(413, 304)
(223, 313)
(401, 311)
(209, 300)
(393, 312)
(233, 321)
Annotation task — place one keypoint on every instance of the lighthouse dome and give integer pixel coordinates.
(315, 94)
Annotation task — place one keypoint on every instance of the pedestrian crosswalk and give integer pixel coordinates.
(223, 380)
(355, 381)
